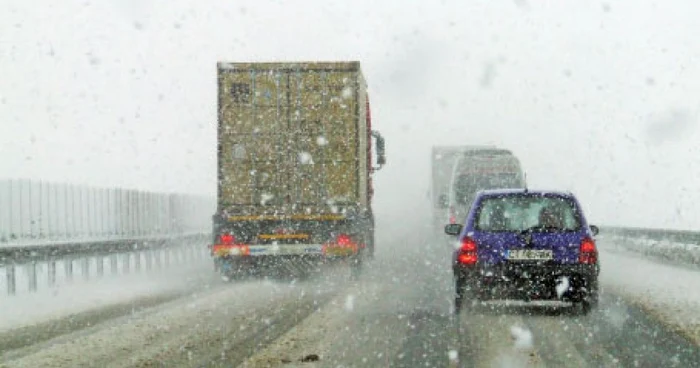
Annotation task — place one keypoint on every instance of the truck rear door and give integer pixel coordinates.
(288, 136)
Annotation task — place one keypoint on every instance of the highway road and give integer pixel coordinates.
(398, 314)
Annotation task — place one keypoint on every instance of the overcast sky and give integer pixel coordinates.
(600, 98)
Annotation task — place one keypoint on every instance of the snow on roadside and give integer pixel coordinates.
(684, 253)
(669, 292)
(48, 304)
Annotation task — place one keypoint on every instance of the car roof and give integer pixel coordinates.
(493, 192)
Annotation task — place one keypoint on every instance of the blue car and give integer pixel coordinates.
(526, 245)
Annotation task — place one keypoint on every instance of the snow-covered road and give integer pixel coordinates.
(669, 292)
(397, 314)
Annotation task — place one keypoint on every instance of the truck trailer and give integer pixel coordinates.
(295, 166)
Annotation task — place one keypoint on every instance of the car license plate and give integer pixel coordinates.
(529, 254)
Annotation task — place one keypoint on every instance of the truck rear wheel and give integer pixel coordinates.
(356, 266)
(370, 246)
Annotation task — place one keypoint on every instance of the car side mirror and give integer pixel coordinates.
(594, 229)
(443, 202)
(453, 229)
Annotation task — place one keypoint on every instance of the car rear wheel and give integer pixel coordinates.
(460, 293)
(586, 294)
(589, 302)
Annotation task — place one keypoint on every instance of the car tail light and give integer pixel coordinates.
(453, 218)
(467, 251)
(588, 254)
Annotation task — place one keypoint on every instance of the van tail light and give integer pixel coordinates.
(588, 254)
(467, 252)
(453, 217)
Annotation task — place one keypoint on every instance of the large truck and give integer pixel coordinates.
(442, 163)
(295, 165)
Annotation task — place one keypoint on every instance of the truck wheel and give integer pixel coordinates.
(356, 266)
(368, 251)
(229, 271)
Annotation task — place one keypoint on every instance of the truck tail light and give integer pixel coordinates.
(227, 239)
(226, 245)
(344, 240)
(342, 244)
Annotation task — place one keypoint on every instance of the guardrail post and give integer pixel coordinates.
(31, 267)
(113, 264)
(166, 257)
(157, 255)
(127, 260)
(86, 267)
(51, 270)
(148, 254)
(68, 265)
(137, 261)
(10, 273)
(100, 266)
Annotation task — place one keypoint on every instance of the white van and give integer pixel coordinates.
(481, 169)
(442, 163)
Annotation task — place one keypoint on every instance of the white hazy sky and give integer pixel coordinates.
(600, 98)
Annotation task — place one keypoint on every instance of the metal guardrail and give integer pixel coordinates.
(56, 263)
(676, 246)
(679, 236)
(32, 252)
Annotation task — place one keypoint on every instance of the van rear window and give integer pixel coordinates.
(527, 212)
(468, 185)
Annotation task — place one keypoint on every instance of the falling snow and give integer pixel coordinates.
(522, 336)
(350, 303)
(347, 93)
(265, 198)
(305, 158)
(562, 286)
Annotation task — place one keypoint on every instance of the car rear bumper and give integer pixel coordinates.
(530, 281)
(520, 269)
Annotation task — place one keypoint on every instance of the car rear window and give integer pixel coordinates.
(527, 212)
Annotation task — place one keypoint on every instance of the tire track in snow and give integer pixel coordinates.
(228, 323)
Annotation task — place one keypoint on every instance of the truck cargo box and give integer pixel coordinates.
(293, 138)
